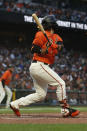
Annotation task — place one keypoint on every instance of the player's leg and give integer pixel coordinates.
(54, 79)
(9, 96)
(29, 99)
(2, 92)
(39, 95)
(61, 96)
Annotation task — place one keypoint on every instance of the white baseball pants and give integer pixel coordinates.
(5, 91)
(42, 76)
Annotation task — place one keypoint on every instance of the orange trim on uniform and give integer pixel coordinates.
(55, 79)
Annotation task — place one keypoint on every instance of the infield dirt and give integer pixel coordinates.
(43, 118)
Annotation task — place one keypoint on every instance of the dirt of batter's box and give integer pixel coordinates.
(43, 118)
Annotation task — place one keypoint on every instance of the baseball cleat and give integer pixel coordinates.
(16, 111)
(69, 112)
(73, 112)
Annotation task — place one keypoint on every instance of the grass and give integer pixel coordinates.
(43, 127)
(39, 110)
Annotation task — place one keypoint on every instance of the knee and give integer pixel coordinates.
(42, 95)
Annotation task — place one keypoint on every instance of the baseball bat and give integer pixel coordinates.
(40, 27)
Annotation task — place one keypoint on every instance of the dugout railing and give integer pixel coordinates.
(74, 97)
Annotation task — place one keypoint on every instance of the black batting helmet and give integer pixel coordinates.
(49, 22)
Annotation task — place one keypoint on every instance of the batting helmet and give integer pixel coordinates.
(49, 22)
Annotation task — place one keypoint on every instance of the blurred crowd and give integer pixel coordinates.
(63, 12)
(70, 65)
(21, 59)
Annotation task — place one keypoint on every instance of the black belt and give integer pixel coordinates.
(35, 61)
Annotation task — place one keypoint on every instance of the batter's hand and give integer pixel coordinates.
(43, 51)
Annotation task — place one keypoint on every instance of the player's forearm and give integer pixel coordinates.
(38, 49)
(35, 49)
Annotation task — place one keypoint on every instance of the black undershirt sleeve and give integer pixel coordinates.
(35, 49)
(59, 43)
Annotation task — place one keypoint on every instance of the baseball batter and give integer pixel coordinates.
(4, 83)
(41, 72)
